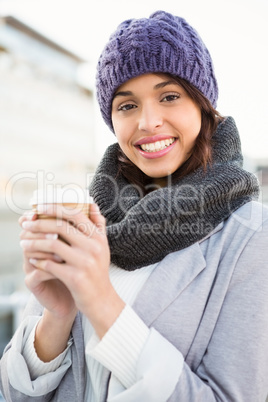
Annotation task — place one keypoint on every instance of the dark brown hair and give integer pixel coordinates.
(201, 155)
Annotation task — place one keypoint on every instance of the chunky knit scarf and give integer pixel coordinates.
(143, 229)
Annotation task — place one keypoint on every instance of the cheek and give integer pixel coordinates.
(115, 124)
(119, 130)
(122, 140)
(192, 122)
(124, 131)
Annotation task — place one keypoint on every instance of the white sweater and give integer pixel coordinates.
(118, 350)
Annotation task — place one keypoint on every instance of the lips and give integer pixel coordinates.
(156, 146)
(152, 139)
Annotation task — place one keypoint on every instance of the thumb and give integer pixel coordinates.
(96, 217)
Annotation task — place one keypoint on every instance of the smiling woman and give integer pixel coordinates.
(160, 294)
(188, 109)
(149, 110)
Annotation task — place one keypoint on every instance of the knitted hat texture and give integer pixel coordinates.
(162, 43)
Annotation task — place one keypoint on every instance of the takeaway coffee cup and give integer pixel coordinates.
(71, 199)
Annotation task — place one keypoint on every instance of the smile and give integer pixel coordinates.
(157, 146)
(156, 149)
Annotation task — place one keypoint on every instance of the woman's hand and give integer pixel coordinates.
(48, 290)
(83, 277)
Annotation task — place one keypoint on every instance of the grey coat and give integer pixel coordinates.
(210, 301)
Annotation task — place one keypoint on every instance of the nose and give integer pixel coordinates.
(150, 118)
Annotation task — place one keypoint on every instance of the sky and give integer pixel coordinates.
(235, 32)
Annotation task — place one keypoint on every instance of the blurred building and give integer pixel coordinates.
(46, 137)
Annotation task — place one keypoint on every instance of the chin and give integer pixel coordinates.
(159, 174)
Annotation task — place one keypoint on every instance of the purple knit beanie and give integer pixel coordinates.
(161, 43)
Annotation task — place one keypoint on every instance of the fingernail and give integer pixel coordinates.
(41, 209)
(96, 208)
(24, 243)
(30, 215)
(57, 258)
(32, 261)
(52, 236)
(26, 225)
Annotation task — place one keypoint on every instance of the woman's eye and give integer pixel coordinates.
(126, 107)
(170, 98)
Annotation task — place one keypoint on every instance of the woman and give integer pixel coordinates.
(161, 294)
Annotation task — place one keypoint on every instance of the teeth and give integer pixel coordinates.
(157, 146)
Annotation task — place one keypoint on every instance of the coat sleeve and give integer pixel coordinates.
(235, 365)
(15, 380)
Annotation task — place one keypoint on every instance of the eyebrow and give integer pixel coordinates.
(157, 86)
(123, 93)
(165, 83)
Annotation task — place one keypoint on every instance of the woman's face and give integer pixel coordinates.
(156, 123)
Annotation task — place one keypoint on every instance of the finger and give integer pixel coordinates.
(36, 276)
(49, 247)
(65, 273)
(53, 270)
(97, 218)
(42, 264)
(28, 266)
(26, 234)
(40, 225)
(40, 256)
(27, 216)
(57, 228)
(45, 229)
(74, 216)
(65, 230)
(90, 227)
(39, 262)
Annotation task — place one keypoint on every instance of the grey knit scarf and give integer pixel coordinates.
(143, 229)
